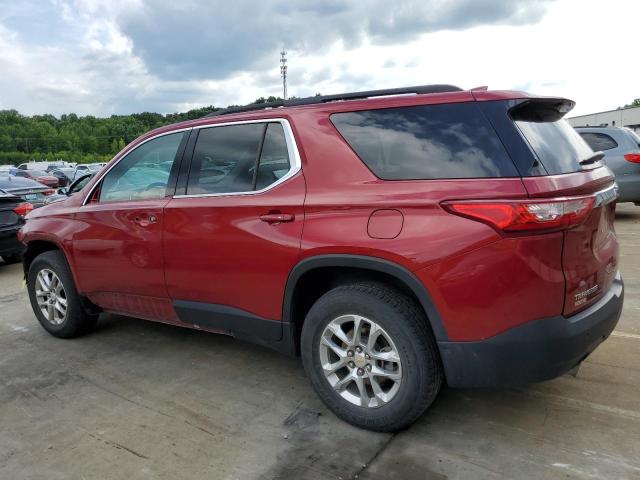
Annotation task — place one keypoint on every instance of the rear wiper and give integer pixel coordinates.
(596, 157)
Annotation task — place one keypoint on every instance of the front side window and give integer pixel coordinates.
(238, 158)
(144, 173)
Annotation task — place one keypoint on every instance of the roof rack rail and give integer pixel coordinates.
(421, 89)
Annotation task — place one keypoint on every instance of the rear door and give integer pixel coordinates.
(232, 234)
(590, 250)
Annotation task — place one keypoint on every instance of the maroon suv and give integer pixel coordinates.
(395, 239)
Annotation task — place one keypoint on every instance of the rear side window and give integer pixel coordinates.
(274, 159)
(224, 159)
(426, 142)
(238, 158)
(599, 141)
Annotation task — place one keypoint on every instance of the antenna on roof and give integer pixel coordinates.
(283, 72)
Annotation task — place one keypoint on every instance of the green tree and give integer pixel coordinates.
(81, 138)
(635, 103)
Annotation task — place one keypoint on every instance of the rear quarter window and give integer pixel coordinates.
(426, 142)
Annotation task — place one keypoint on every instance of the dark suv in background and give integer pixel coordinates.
(12, 212)
(395, 239)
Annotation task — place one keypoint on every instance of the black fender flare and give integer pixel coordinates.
(367, 263)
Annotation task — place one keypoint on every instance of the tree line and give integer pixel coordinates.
(82, 139)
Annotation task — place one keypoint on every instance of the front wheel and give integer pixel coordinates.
(54, 298)
(370, 356)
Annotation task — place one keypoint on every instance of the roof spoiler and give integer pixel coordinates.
(541, 109)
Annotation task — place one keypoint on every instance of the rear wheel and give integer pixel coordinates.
(370, 356)
(54, 298)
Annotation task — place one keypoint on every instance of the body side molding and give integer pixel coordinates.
(239, 323)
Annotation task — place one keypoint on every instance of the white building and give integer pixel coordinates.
(624, 117)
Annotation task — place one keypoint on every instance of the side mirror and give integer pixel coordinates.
(63, 191)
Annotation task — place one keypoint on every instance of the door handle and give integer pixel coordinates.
(277, 217)
(145, 220)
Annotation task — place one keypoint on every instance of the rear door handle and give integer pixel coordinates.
(277, 217)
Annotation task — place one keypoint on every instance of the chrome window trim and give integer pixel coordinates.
(295, 164)
(292, 150)
(106, 172)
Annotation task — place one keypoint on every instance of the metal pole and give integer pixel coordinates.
(283, 72)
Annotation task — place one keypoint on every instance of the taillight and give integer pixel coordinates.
(632, 157)
(23, 209)
(49, 191)
(529, 216)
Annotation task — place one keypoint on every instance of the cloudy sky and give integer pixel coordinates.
(100, 58)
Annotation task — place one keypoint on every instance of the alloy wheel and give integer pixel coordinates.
(51, 296)
(360, 361)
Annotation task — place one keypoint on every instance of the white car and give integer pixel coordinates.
(86, 168)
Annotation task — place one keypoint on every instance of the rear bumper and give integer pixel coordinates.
(9, 243)
(533, 352)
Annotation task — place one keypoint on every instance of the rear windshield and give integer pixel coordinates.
(556, 144)
(426, 142)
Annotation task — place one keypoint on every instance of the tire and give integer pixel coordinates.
(76, 321)
(404, 330)
(12, 258)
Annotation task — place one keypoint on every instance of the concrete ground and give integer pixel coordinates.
(138, 400)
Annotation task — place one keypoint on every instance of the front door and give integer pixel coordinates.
(118, 255)
(233, 235)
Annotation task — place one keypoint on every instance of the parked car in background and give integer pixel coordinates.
(12, 212)
(621, 148)
(46, 166)
(66, 192)
(396, 240)
(6, 169)
(34, 166)
(59, 165)
(27, 189)
(64, 176)
(39, 176)
(83, 169)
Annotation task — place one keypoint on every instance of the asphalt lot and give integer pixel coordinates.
(138, 400)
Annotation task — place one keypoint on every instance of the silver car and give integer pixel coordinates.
(621, 148)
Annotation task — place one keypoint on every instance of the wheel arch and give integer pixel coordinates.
(40, 245)
(36, 247)
(312, 268)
